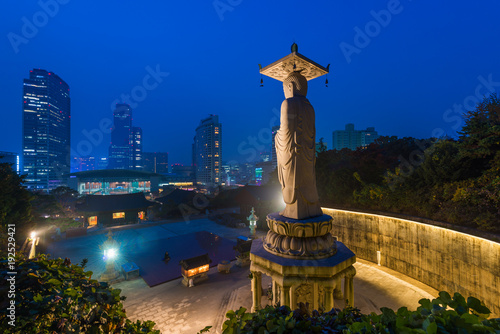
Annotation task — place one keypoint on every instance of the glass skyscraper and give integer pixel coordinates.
(46, 130)
(125, 151)
(207, 153)
(120, 150)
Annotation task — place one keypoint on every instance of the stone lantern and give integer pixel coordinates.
(110, 251)
(252, 222)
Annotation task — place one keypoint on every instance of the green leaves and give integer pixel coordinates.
(54, 298)
(54, 281)
(476, 305)
(444, 314)
(38, 298)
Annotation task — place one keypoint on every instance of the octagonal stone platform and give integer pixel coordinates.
(305, 280)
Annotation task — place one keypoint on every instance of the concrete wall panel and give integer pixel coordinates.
(441, 258)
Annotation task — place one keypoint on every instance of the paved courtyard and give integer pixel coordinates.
(178, 309)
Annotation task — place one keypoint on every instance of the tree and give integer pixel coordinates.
(15, 206)
(480, 135)
(321, 147)
(66, 197)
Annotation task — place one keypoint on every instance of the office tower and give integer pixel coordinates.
(208, 152)
(136, 150)
(274, 158)
(155, 162)
(120, 150)
(352, 139)
(10, 158)
(46, 130)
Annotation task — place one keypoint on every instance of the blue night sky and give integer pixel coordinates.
(404, 78)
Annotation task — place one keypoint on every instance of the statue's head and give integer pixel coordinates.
(295, 84)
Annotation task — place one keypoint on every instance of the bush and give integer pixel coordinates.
(53, 296)
(445, 314)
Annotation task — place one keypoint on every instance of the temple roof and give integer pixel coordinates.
(177, 196)
(195, 262)
(113, 203)
(114, 174)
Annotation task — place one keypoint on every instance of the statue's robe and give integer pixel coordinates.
(296, 153)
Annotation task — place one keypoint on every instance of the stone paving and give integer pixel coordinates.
(181, 310)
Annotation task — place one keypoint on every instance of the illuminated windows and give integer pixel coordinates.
(92, 220)
(118, 215)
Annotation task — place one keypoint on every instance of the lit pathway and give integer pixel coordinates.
(180, 310)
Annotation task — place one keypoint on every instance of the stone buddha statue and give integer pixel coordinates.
(296, 151)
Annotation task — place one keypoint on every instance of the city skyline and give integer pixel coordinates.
(384, 72)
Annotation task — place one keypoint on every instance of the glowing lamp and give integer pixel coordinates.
(110, 254)
(33, 235)
(195, 269)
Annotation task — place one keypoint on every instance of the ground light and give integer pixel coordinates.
(34, 242)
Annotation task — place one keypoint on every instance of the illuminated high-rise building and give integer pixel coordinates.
(125, 151)
(207, 153)
(120, 150)
(46, 130)
(136, 149)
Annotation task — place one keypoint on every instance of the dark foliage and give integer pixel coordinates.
(448, 180)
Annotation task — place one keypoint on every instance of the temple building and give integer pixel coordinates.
(114, 209)
(114, 182)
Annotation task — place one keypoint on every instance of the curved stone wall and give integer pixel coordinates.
(441, 258)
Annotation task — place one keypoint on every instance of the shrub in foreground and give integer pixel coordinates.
(444, 314)
(54, 296)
